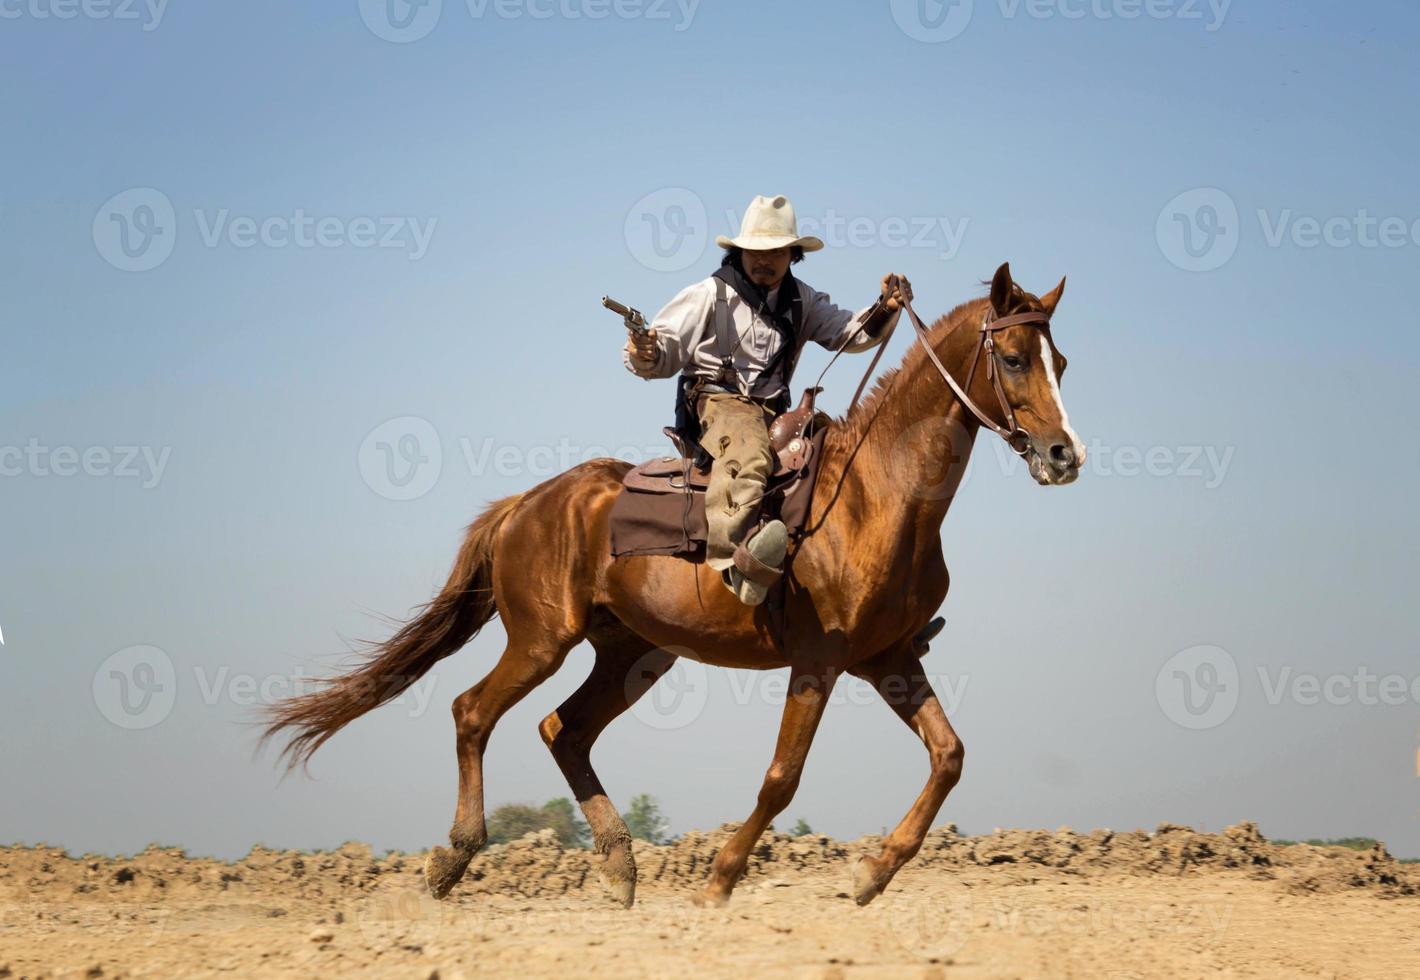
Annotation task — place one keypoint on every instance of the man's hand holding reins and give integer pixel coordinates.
(896, 289)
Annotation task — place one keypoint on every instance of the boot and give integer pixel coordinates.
(766, 549)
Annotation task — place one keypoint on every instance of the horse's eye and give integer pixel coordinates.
(1013, 362)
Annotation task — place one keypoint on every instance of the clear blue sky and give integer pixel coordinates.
(528, 151)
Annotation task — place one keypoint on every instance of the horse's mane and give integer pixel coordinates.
(849, 429)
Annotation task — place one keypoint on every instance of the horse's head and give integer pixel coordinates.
(1030, 370)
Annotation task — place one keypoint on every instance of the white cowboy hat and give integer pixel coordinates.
(769, 223)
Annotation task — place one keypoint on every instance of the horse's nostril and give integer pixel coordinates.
(1062, 455)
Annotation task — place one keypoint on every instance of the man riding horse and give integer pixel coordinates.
(735, 339)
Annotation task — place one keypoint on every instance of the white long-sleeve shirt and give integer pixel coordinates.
(685, 335)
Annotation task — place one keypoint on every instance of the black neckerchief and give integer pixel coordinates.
(786, 317)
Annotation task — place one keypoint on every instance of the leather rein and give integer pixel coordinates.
(1015, 436)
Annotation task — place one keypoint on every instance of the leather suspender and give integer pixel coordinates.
(725, 339)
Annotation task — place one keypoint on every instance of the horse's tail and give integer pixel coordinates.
(456, 614)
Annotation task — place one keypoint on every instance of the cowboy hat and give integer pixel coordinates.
(769, 223)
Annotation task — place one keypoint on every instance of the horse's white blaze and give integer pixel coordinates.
(1048, 359)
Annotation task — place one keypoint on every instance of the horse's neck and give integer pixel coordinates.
(899, 456)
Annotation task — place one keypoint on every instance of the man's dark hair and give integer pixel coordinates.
(734, 252)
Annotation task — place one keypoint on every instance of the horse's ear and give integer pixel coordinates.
(1001, 290)
(1052, 299)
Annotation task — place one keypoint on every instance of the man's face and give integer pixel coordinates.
(766, 268)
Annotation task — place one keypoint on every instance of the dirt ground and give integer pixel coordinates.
(1173, 903)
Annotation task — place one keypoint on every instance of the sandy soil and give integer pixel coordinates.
(1011, 904)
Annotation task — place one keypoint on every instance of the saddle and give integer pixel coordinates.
(661, 507)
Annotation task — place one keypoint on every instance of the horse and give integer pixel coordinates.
(867, 576)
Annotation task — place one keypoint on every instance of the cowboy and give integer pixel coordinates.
(735, 338)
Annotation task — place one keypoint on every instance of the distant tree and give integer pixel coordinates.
(513, 820)
(1351, 843)
(645, 821)
(571, 829)
(801, 828)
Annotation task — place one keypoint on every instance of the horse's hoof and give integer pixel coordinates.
(710, 898)
(618, 875)
(867, 883)
(442, 870)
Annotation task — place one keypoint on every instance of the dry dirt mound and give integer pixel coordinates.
(538, 866)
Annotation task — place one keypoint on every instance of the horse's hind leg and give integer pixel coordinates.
(523, 666)
(899, 679)
(625, 669)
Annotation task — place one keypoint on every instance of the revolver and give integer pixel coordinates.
(634, 319)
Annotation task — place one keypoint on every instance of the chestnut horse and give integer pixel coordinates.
(868, 576)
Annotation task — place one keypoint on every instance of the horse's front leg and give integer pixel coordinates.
(808, 694)
(898, 677)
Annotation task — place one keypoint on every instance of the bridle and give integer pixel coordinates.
(1016, 437)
